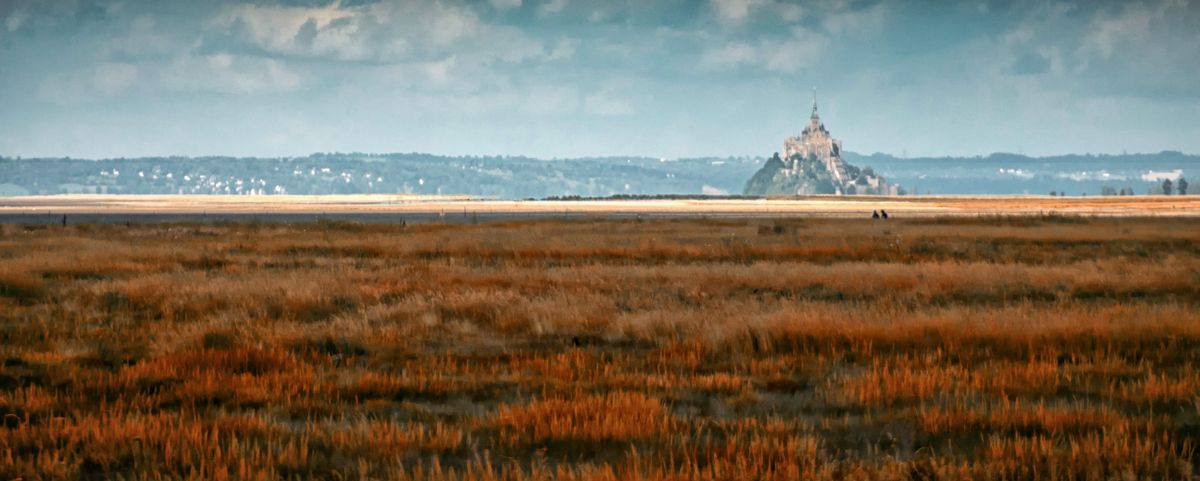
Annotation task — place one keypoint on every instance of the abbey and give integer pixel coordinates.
(812, 164)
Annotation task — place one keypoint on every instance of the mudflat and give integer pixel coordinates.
(832, 206)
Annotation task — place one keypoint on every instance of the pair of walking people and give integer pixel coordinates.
(879, 214)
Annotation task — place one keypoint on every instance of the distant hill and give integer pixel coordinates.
(1005, 173)
(522, 177)
(501, 177)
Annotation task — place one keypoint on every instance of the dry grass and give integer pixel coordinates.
(994, 348)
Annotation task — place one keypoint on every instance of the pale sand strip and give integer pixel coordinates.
(1188, 206)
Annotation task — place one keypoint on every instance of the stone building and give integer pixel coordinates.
(812, 164)
(815, 142)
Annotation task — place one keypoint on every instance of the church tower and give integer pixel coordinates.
(815, 142)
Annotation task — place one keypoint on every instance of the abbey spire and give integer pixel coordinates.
(814, 121)
(814, 113)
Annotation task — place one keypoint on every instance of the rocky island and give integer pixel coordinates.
(812, 164)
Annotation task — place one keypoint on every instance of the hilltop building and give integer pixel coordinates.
(812, 164)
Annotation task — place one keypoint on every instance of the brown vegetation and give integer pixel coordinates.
(995, 348)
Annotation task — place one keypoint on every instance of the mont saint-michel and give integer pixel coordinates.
(812, 164)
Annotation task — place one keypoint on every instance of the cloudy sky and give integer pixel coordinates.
(568, 78)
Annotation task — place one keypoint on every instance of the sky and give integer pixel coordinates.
(580, 78)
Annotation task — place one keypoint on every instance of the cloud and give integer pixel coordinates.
(738, 12)
(438, 72)
(563, 49)
(468, 90)
(844, 21)
(1123, 50)
(802, 49)
(789, 12)
(791, 47)
(382, 32)
(448, 76)
(93, 84)
(529, 100)
(448, 24)
(729, 56)
(14, 20)
(56, 17)
(229, 74)
(1107, 33)
(145, 38)
(551, 7)
(735, 11)
(606, 104)
(1031, 63)
(1135, 26)
(112, 78)
(505, 4)
(298, 31)
(501, 101)
(1074, 68)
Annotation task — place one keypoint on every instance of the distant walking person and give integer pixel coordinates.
(874, 214)
(883, 213)
(64, 221)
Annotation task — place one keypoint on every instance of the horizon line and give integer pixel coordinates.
(613, 156)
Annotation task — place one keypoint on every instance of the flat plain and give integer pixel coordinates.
(1044, 347)
(451, 207)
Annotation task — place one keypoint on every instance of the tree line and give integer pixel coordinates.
(1166, 188)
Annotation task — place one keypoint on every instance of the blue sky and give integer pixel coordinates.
(570, 78)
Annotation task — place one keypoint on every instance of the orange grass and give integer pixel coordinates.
(613, 416)
(1044, 348)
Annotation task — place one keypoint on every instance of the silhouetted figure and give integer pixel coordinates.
(874, 214)
(883, 213)
(64, 221)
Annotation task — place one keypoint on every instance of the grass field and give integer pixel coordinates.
(1042, 348)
